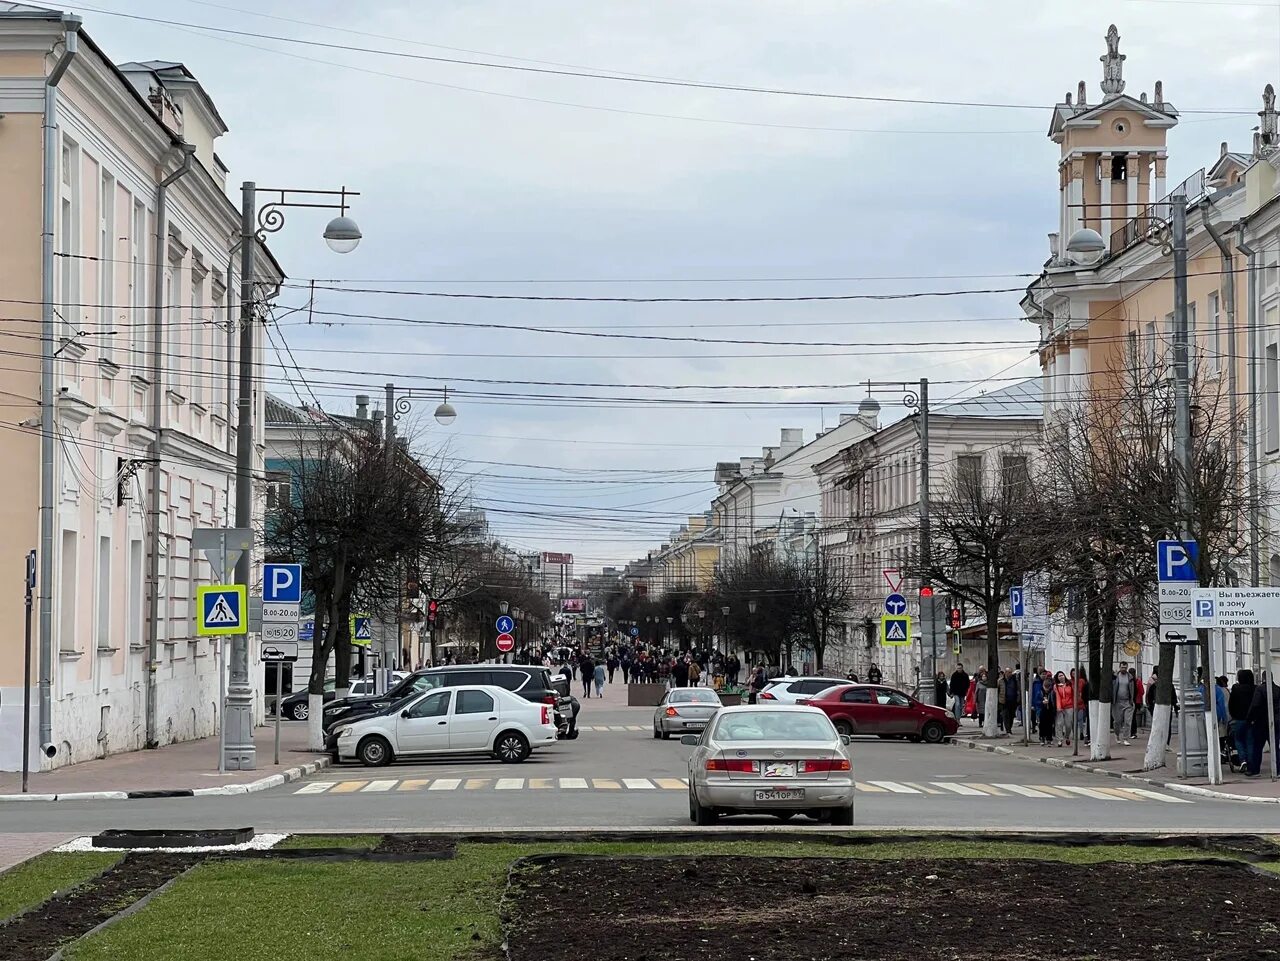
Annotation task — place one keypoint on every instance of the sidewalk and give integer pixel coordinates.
(179, 770)
(1125, 762)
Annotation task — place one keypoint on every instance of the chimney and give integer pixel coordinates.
(1053, 245)
(792, 440)
(377, 419)
(362, 406)
(845, 418)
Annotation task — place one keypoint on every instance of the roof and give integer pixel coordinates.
(28, 11)
(1022, 399)
(281, 412)
(1067, 115)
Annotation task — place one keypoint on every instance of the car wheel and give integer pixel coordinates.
(656, 733)
(299, 711)
(511, 747)
(933, 732)
(374, 751)
(844, 727)
(699, 815)
(842, 817)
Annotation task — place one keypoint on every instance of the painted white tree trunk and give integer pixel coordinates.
(991, 721)
(1211, 729)
(1161, 719)
(315, 722)
(1100, 728)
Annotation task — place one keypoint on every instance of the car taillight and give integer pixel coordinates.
(549, 699)
(672, 712)
(824, 764)
(546, 714)
(803, 701)
(734, 764)
(766, 696)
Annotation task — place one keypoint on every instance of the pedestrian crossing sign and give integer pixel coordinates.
(895, 630)
(361, 629)
(222, 609)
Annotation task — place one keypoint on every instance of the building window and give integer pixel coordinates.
(138, 288)
(135, 592)
(173, 320)
(1149, 349)
(1119, 170)
(969, 473)
(278, 490)
(1131, 341)
(198, 320)
(69, 228)
(1271, 431)
(103, 622)
(218, 351)
(1015, 478)
(66, 599)
(106, 257)
(1213, 335)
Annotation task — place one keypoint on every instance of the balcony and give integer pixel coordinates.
(1152, 217)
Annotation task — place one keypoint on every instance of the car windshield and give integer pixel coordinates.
(695, 696)
(777, 725)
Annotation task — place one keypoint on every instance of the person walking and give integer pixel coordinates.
(1138, 702)
(598, 674)
(1123, 698)
(755, 684)
(1037, 694)
(959, 688)
(940, 689)
(1012, 699)
(587, 670)
(613, 666)
(680, 673)
(695, 673)
(1046, 708)
(1258, 723)
(873, 674)
(1000, 700)
(1065, 707)
(1238, 702)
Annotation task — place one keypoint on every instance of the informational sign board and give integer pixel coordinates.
(895, 631)
(222, 609)
(272, 653)
(282, 583)
(280, 632)
(279, 612)
(1176, 560)
(1235, 607)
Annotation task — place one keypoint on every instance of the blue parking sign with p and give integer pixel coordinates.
(1015, 602)
(282, 583)
(1177, 560)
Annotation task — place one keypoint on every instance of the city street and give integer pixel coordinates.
(617, 775)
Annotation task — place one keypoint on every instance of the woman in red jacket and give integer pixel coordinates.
(1066, 715)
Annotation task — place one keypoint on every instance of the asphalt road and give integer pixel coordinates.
(618, 776)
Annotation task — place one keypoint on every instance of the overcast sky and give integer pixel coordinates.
(483, 180)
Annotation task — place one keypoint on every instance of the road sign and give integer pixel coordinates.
(283, 632)
(1176, 560)
(1016, 606)
(279, 612)
(222, 546)
(282, 583)
(895, 604)
(361, 630)
(273, 652)
(505, 642)
(222, 609)
(504, 624)
(895, 631)
(1233, 607)
(307, 631)
(635, 631)
(893, 577)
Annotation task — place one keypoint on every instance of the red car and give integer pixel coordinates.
(871, 709)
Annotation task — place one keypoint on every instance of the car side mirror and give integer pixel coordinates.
(846, 740)
(690, 739)
(404, 713)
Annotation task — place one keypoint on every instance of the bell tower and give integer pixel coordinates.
(1112, 164)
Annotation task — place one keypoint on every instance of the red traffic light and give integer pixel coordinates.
(926, 591)
(432, 607)
(953, 619)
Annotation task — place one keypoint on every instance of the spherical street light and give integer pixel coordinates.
(342, 235)
(1087, 245)
(751, 606)
(445, 414)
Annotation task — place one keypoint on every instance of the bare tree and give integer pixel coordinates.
(825, 596)
(773, 584)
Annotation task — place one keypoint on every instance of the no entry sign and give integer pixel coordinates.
(506, 643)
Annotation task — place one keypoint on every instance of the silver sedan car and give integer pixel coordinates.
(779, 760)
(684, 709)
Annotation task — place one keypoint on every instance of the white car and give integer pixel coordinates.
(788, 690)
(474, 719)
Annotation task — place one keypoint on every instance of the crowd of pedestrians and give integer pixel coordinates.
(641, 663)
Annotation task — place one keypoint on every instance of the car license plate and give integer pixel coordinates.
(699, 725)
(780, 794)
(780, 769)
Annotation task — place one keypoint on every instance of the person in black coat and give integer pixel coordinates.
(1238, 703)
(1259, 724)
(959, 690)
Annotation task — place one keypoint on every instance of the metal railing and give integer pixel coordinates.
(1154, 216)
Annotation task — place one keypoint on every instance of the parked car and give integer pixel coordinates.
(872, 709)
(529, 681)
(779, 760)
(684, 709)
(364, 686)
(474, 719)
(788, 690)
(297, 706)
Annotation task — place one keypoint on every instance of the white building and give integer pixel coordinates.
(142, 381)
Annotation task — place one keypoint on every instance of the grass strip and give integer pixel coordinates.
(437, 910)
(40, 878)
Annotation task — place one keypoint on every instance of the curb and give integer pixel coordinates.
(222, 790)
(1121, 775)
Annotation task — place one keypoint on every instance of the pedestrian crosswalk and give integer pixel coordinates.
(952, 790)
(602, 728)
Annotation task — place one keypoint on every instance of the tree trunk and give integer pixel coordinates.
(342, 646)
(820, 644)
(1100, 716)
(321, 646)
(990, 724)
(1162, 716)
(991, 721)
(1213, 755)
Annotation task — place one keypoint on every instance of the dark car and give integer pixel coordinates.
(872, 709)
(533, 682)
(296, 705)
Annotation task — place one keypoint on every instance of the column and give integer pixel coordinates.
(1079, 367)
(1159, 181)
(1075, 202)
(1133, 178)
(1104, 201)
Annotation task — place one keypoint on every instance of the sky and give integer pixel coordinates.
(484, 180)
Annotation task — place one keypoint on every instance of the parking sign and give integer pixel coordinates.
(282, 583)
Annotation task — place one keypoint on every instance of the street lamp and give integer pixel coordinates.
(445, 414)
(342, 235)
(503, 607)
(1087, 245)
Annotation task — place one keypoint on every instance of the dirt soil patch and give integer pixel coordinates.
(819, 909)
(417, 845)
(38, 933)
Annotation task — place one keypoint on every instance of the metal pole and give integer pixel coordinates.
(26, 672)
(222, 677)
(1204, 736)
(238, 745)
(279, 697)
(1075, 701)
(1025, 680)
(1255, 533)
(1271, 716)
(928, 611)
(389, 421)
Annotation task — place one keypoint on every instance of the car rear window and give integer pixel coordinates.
(770, 725)
(511, 680)
(695, 696)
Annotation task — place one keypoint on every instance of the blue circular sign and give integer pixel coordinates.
(895, 604)
(635, 632)
(504, 624)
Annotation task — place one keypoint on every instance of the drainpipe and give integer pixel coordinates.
(1255, 533)
(157, 433)
(47, 331)
(1229, 298)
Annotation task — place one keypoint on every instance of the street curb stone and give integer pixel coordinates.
(222, 790)
(1092, 769)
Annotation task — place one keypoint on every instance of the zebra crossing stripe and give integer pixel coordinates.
(987, 789)
(574, 783)
(509, 784)
(869, 788)
(634, 727)
(347, 787)
(605, 784)
(445, 784)
(894, 787)
(1023, 790)
(539, 783)
(1051, 791)
(670, 783)
(1155, 796)
(377, 786)
(1090, 792)
(475, 783)
(1116, 793)
(315, 787)
(958, 789)
(413, 784)
(922, 788)
(637, 783)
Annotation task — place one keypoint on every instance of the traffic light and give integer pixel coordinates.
(954, 619)
(433, 607)
(926, 591)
